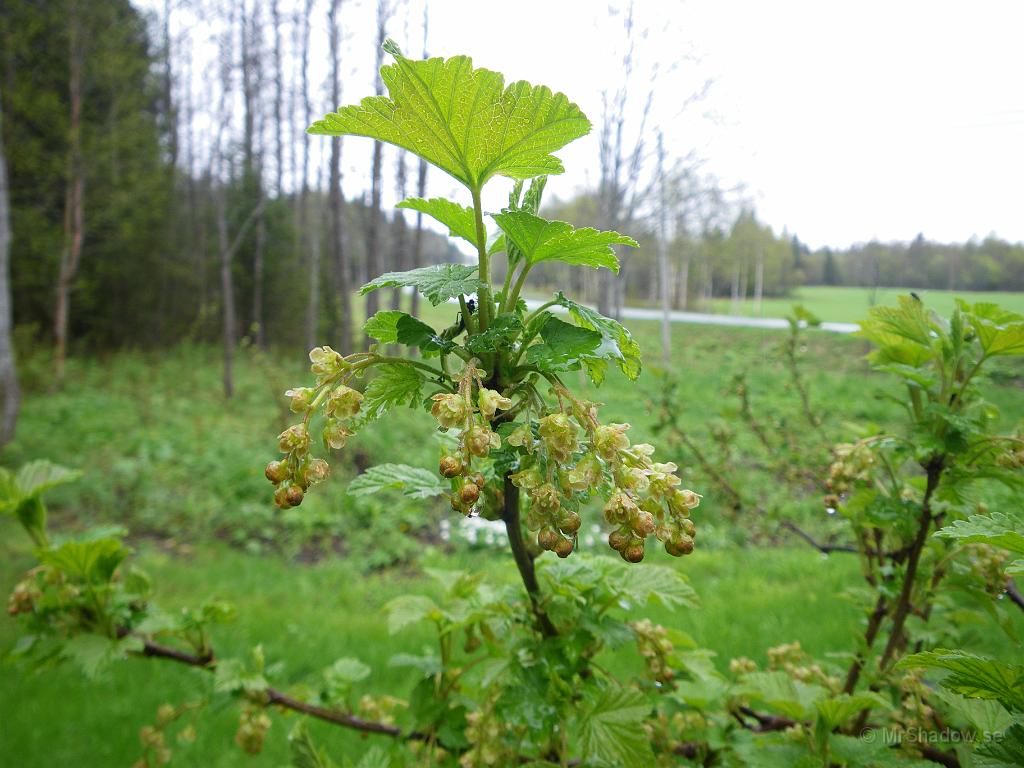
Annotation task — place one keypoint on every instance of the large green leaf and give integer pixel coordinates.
(415, 482)
(409, 609)
(1000, 332)
(999, 529)
(564, 345)
(458, 218)
(611, 729)
(93, 561)
(656, 582)
(395, 384)
(438, 282)
(616, 342)
(463, 120)
(975, 676)
(542, 240)
(383, 326)
(1005, 748)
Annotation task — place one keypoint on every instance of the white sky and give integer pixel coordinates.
(843, 121)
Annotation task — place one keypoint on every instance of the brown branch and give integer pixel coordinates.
(524, 561)
(151, 649)
(766, 723)
(825, 549)
(947, 759)
(1014, 593)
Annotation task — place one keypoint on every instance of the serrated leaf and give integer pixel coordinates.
(779, 692)
(347, 670)
(1000, 331)
(611, 729)
(94, 653)
(438, 282)
(414, 482)
(428, 665)
(503, 330)
(542, 240)
(999, 529)
(564, 345)
(395, 384)
(463, 120)
(409, 609)
(303, 752)
(667, 586)
(413, 332)
(1007, 748)
(374, 757)
(975, 677)
(617, 342)
(93, 562)
(459, 219)
(838, 709)
(36, 477)
(383, 326)
(231, 676)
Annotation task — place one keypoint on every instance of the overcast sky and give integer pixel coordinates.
(843, 121)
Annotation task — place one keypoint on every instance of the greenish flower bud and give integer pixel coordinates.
(527, 479)
(619, 508)
(569, 522)
(294, 495)
(276, 471)
(326, 362)
(469, 493)
(663, 479)
(609, 439)
(548, 538)
(336, 434)
(586, 474)
(545, 498)
(633, 553)
(643, 524)
(450, 466)
(619, 539)
(315, 472)
(563, 548)
(559, 435)
(480, 439)
(301, 398)
(281, 497)
(295, 439)
(522, 437)
(344, 402)
(450, 410)
(490, 401)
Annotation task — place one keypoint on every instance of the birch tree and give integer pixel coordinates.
(8, 370)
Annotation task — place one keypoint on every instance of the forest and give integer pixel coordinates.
(344, 427)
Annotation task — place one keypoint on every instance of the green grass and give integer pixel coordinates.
(310, 616)
(163, 452)
(848, 305)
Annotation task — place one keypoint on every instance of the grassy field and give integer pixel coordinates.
(164, 453)
(848, 305)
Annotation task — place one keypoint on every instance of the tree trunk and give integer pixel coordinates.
(227, 289)
(399, 258)
(309, 244)
(374, 253)
(759, 282)
(417, 241)
(8, 371)
(74, 195)
(663, 278)
(257, 280)
(335, 197)
(275, 20)
(683, 285)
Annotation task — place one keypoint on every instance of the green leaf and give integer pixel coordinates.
(611, 729)
(303, 752)
(383, 326)
(999, 529)
(231, 676)
(779, 692)
(93, 562)
(94, 653)
(902, 334)
(37, 477)
(459, 219)
(463, 120)
(1000, 332)
(564, 345)
(838, 709)
(656, 582)
(503, 330)
(415, 333)
(1007, 748)
(974, 676)
(395, 384)
(617, 343)
(409, 609)
(415, 482)
(438, 282)
(542, 240)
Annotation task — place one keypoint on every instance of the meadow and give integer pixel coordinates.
(164, 454)
(848, 304)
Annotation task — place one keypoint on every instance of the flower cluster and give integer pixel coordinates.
(470, 410)
(577, 456)
(852, 462)
(655, 648)
(293, 474)
(253, 724)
